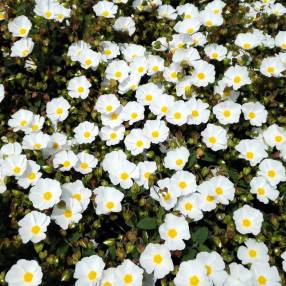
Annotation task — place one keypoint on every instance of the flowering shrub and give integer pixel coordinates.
(143, 143)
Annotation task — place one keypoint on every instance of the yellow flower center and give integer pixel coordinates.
(174, 74)
(283, 46)
(167, 196)
(68, 213)
(262, 280)
(139, 143)
(59, 111)
(261, 191)
(32, 176)
(105, 13)
(47, 196)
(80, 89)
(172, 233)
(113, 135)
(25, 52)
(114, 116)
(246, 46)
(128, 278)
(86, 134)
(190, 30)
(212, 140)
(35, 229)
(76, 196)
(226, 113)
(249, 155)
(109, 108)
(23, 31)
(201, 76)
(48, 14)
(23, 123)
(278, 138)
(164, 109)
(157, 259)
(107, 284)
(251, 115)
(237, 79)
(177, 115)
(28, 277)
(214, 56)
(270, 70)
(188, 206)
(92, 275)
(37, 146)
(195, 113)
(194, 280)
(271, 173)
(88, 62)
(148, 97)
(83, 165)
(134, 115)
(179, 162)
(147, 175)
(35, 127)
(182, 185)
(17, 170)
(155, 134)
(210, 198)
(246, 222)
(124, 176)
(209, 270)
(155, 68)
(219, 191)
(141, 69)
(107, 52)
(118, 74)
(110, 205)
(209, 23)
(66, 164)
(252, 253)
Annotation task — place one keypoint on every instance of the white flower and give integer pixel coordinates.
(173, 231)
(133, 112)
(198, 111)
(247, 41)
(193, 273)
(176, 159)
(210, 19)
(239, 276)
(24, 272)
(248, 220)
(108, 277)
(112, 136)
(146, 169)
(14, 165)
(21, 120)
(136, 141)
(252, 150)
(227, 112)
(65, 160)
(3, 186)
(156, 258)
(22, 48)
(131, 51)
(20, 26)
(214, 266)
(272, 67)
(2, 92)
(283, 256)
(36, 124)
(57, 109)
(33, 226)
(166, 11)
(107, 200)
(46, 9)
(117, 70)
(129, 274)
(85, 163)
(274, 136)
(78, 87)
(160, 106)
(178, 113)
(56, 143)
(188, 11)
(147, 93)
(110, 50)
(105, 9)
(184, 182)
(77, 191)
(216, 52)
(188, 26)
(253, 252)
(273, 171)
(255, 112)
(171, 72)
(113, 119)
(206, 198)
(163, 194)
(219, 187)
(114, 156)
(264, 274)
(155, 64)
(204, 73)
(85, 132)
(76, 49)
(237, 76)
(125, 24)
(10, 149)
(189, 206)
(30, 176)
(71, 213)
(88, 270)
(45, 194)
(89, 59)
(156, 131)
(139, 66)
(215, 137)
(107, 104)
(280, 40)
(263, 190)
(35, 141)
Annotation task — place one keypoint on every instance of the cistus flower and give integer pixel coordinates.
(24, 272)
(20, 26)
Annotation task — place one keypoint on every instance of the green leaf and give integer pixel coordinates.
(147, 223)
(201, 235)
